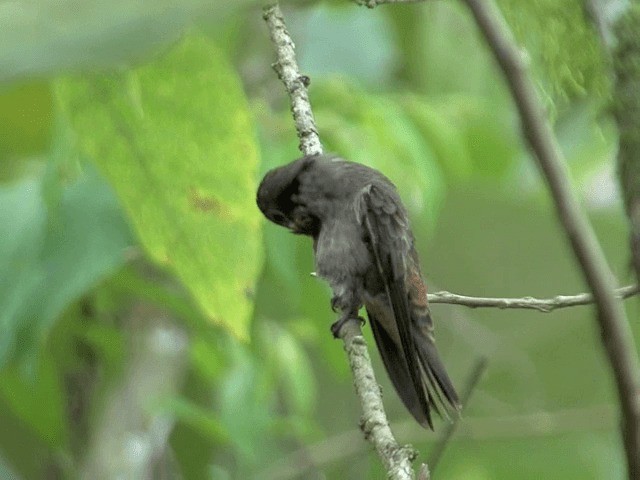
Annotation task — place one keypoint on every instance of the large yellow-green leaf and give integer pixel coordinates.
(175, 140)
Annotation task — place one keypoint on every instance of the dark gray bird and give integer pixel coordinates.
(364, 248)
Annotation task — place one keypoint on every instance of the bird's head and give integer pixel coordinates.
(279, 200)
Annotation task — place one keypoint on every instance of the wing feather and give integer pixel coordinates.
(385, 221)
(405, 340)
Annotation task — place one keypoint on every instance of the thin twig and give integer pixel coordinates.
(531, 303)
(450, 429)
(397, 460)
(616, 335)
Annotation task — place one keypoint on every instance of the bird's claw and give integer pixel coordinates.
(334, 304)
(337, 325)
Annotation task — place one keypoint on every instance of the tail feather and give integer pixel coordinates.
(436, 385)
(437, 379)
(393, 358)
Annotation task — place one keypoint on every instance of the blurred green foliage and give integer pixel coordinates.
(549, 30)
(131, 145)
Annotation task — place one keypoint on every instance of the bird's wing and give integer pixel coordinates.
(402, 327)
(385, 221)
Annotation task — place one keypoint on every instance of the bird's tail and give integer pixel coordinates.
(441, 393)
(434, 384)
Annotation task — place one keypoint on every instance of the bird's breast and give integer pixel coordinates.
(340, 253)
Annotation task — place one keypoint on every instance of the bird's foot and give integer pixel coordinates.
(335, 304)
(337, 325)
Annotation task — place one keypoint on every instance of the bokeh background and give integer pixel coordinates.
(153, 325)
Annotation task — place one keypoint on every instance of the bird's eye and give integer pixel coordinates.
(278, 217)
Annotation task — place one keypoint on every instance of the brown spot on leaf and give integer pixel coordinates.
(206, 203)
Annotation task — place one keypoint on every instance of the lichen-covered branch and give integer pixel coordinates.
(530, 303)
(615, 333)
(396, 459)
(296, 84)
(374, 424)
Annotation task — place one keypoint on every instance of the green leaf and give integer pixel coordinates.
(206, 359)
(446, 140)
(490, 136)
(246, 396)
(107, 341)
(198, 418)
(25, 117)
(175, 140)
(53, 255)
(160, 289)
(37, 400)
(291, 366)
